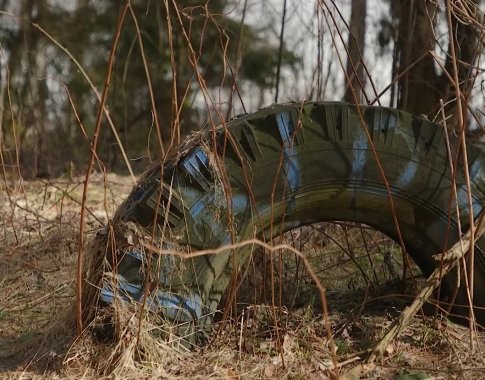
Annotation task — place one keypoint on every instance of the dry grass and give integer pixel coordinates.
(39, 242)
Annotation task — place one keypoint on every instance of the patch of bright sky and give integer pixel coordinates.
(302, 36)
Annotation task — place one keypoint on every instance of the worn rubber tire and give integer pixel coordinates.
(287, 166)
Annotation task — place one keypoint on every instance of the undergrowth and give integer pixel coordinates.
(37, 333)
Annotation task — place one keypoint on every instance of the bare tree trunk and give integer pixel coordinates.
(355, 63)
(280, 53)
(421, 87)
(40, 94)
(27, 61)
(3, 86)
(467, 49)
(419, 92)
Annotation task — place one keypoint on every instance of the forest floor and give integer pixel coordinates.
(39, 242)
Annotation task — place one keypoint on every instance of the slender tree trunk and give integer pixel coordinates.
(467, 49)
(422, 87)
(27, 62)
(40, 94)
(3, 91)
(19, 67)
(280, 53)
(419, 92)
(355, 46)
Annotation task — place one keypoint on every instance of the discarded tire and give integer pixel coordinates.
(279, 168)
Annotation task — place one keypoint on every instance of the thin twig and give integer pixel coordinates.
(450, 259)
(80, 257)
(469, 273)
(149, 81)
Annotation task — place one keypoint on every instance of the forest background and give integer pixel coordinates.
(179, 61)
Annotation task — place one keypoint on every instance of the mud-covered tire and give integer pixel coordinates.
(283, 167)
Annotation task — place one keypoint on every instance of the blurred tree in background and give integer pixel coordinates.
(422, 27)
(46, 88)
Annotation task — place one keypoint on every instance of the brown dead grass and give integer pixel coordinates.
(38, 247)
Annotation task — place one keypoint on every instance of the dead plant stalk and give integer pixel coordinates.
(449, 259)
(91, 164)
